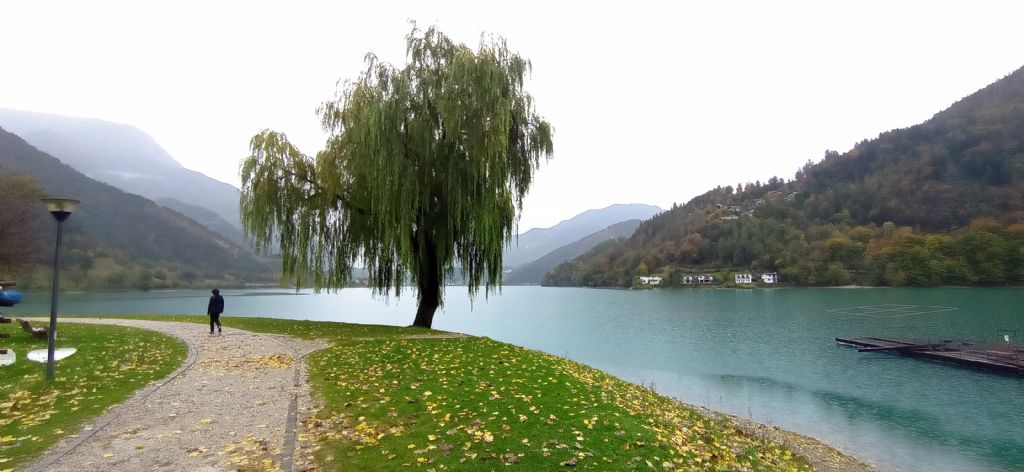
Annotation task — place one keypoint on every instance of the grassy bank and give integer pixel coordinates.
(111, 363)
(477, 404)
(394, 398)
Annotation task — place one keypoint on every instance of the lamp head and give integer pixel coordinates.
(61, 208)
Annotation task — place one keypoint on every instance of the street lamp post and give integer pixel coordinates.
(61, 209)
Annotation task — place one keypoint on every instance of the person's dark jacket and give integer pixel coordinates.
(216, 305)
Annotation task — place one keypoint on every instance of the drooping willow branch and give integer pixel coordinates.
(424, 172)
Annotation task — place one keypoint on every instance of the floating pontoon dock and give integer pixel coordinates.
(1001, 358)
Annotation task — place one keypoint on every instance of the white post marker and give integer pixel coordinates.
(7, 357)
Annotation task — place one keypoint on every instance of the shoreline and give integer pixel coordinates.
(820, 455)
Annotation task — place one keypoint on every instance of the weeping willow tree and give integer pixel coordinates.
(424, 172)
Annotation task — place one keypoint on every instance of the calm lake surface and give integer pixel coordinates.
(763, 354)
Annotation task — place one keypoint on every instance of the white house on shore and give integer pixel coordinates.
(705, 279)
(770, 277)
(744, 278)
(650, 279)
(688, 279)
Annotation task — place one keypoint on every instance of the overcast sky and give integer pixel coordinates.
(651, 102)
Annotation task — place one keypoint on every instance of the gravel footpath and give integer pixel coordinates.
(233, 405)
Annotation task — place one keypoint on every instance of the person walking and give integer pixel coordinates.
(215, 308)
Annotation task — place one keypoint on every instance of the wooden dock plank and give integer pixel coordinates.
(902, 347)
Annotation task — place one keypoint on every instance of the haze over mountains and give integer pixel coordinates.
(538, 242)
(937, 203)
(125, 239)
(532, 273)
(941, 202)
(131, 160)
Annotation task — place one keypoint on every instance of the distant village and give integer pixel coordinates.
(732, 212)
(740, 278)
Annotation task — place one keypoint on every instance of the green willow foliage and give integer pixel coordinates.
(425, 171)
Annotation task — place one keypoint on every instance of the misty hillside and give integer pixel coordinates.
(206, 218)
(537, 242)
(533, 272)
(130, 229)
(125, 157)
(941, 202)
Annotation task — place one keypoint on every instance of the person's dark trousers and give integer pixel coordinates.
(215, 319)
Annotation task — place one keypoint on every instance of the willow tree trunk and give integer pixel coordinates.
(430, 299)
(429, 285)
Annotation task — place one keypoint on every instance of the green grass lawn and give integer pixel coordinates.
(302, 329)
(477, 404)
(111, 363)
(390, 403)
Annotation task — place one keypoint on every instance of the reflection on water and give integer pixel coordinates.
(767, 355)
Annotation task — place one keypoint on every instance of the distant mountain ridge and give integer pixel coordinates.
(537, 242)
(206, 218)
(938, 203)
(135, 231)
(127, 158)
(533, 273)
(965, 162)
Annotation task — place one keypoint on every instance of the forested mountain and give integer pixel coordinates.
(941, 202)
(123, 238)
(533, 272)
(537, 242)
(20, 246)
(206, 218)
(127, 158)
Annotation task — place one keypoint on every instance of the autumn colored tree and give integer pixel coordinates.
(20, 212)
(424, 172)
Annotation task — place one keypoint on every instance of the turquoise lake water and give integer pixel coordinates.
(764, 354)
